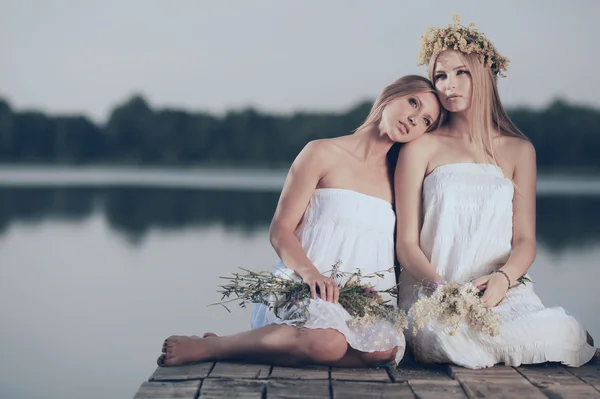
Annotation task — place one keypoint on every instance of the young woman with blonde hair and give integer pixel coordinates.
(465, 205)
(336, 206)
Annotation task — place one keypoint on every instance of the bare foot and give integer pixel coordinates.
(179, 349)
(206, 335)
(161, 359)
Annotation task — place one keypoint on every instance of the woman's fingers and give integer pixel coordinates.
(486, 298)
(336, 293)
(494, 292)
(493, 301)
(322, 290)
(330, 291)
(491, 298)
(313, 289)
(481, 281)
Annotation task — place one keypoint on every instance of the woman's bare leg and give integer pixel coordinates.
(275, 344)
(354, 358)
(324, 352)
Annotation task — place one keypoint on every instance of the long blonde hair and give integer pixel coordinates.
(404, 86)
(486, 115)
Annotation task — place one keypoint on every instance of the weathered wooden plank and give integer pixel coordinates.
(548, 374)
(495, 383)
(192, 371)
(590, 373)
(422, 372)
(582, 391)
(508, 388)
(362, 389)
(360, 374)
(227, 379)
(232, 388)
(496, 371)
(409, 369)
(293, 389)
(300, 373)
(555, 381)
(168, 390)
(437, 389)
(239, 370)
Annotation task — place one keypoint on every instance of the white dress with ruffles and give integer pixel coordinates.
(466, 233)
(356, 230)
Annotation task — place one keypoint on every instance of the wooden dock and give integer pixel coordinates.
(410, 380)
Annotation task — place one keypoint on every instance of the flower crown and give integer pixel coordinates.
(464, 39)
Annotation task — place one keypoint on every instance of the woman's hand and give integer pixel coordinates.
(495, 286)
(328, 288)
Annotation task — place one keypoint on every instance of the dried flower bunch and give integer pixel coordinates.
(363, 302)
(452, 303)
(465, 39)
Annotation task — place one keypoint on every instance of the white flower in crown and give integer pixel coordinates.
(465, 39)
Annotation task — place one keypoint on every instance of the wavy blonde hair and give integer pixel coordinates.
(405, 86)
(487, 115)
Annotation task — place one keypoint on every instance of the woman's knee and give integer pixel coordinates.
(379, 358)
(326, 346)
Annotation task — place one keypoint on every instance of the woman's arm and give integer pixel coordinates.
(408, 183)
(523, 243)
(302, 179)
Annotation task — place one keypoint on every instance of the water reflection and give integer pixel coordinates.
(80, 306)
(134, 211)
(568, 221)
(563, 221)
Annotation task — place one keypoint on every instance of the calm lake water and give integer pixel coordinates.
(94, 276)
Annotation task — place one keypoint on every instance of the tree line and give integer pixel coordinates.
(565, 136)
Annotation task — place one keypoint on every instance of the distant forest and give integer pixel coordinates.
(566, 136)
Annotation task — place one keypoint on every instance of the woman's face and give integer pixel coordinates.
(452, 80)
(406, 118)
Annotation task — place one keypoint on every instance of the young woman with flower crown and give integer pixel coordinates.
(336, 206)
(466, 211)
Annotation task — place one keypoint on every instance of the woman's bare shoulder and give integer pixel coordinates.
(420, 151)
(321, 149)
(514, 151)
(514, 147)
(425, 146)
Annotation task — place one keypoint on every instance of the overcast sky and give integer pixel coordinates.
(86, 56)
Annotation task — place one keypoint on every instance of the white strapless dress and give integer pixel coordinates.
(357, 230)
(466, 234)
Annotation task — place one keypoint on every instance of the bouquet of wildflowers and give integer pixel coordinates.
(363, 302)
(452, 303)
